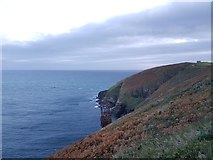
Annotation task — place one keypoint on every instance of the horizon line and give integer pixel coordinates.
(68, 70)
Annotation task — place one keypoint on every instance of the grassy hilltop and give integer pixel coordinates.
(170, 117)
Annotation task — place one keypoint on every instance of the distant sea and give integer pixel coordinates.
(44, 111)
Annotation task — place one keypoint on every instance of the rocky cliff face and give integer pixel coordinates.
(126, 95)
(171, 118)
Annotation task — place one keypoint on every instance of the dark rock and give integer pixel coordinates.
(102, 94)
(110, 106)
(105, 119)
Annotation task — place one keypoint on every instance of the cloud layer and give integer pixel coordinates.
(174, 33)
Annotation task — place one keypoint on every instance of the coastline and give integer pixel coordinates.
(177, 105)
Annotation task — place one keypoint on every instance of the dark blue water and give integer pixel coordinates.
(43, 111)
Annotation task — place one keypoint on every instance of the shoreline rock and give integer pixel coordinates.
(110, 107)
(179, 105)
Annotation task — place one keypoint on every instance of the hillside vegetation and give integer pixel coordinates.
(171, 118)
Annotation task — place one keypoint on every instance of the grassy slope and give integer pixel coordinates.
(174, 122)
(135, 89)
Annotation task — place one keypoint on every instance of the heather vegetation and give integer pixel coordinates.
(172, 117)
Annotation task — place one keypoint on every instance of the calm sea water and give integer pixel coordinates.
(43, 111)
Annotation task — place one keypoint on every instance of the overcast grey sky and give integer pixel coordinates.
(171, 33)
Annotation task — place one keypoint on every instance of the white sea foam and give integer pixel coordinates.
(96, 106)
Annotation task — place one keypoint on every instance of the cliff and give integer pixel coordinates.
(127, 94)
(170, 117)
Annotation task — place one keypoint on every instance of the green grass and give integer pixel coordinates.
(129, 101)
(204, 64)
(125, 99)
(115, 90)
(185, 144)
(164, 101)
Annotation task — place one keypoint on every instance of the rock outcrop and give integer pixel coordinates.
(126, 95)
(171, 118)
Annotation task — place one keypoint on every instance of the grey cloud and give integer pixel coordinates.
(117, 38)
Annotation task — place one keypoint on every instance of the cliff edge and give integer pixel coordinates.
(126, 95)
(165, 112)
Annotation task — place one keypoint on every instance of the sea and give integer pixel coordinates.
(44, 111)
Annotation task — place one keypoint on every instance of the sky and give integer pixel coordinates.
(103, 34)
